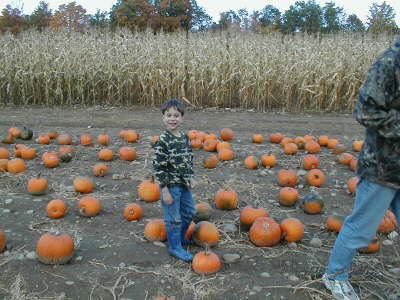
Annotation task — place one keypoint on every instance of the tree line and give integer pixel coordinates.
(172, 15)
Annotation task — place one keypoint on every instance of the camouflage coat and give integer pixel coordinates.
(173, 161)
(378, 110)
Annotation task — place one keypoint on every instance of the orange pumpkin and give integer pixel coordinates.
(106, 154)
(4, 154)
(196, 143)
(66, 148)
(86, 139)
(357, 145)
(372, 247)
(210, 144)
(64, 139)
(133, 211)
(285, 141)
(205, 234)
(339, 148)
(265, 232)
(83, 184)
(154, 139)
(225, 154)
(28, 153)
(308, 138)
(315, 177)
(353, 164)
(388, 222)
(290, 148)
(300, 142)
(149, 191)
(332, 143)
(226, 134)
(345, 158)
(18, 148)
(268, 160)
(352, 184)
(310, 162)
(334, 222)
(257, 138)
(288, 196)
(131, 136)
(226, 199)
(54, 248)
(155, 230)
(43, 139)
(127, 153)
(203, 211)
(251, 162)
(51, 159)
(37, 185)
(249, 214)
(210, 136)
(52, 134)
(100, 170)
(312, 203)
(223, 145)
(16, 165)
(275, 137)
(192, 134)
(3, 164)
(3, 240)
(103, 139)
(292, 229)
(56, 209)
(287, 178)
(201, 135)
(210, 161)
(14, 132)
(323, 140)
(89, 206)
(206, 263)
(312, 147)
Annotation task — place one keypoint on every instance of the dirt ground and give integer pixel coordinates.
(112, 259)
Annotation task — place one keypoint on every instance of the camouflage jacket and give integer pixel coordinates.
(173, 161)
(378, 110)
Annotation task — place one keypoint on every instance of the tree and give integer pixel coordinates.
(99, 19)
(229, 19)
(270, 15)
(333, 17)
(11, 19)
(304, 17)
(200, 19)
(353, 24)
(382, 18)
(41, 16)
(70, 16)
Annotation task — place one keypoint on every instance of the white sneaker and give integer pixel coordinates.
(341, 290)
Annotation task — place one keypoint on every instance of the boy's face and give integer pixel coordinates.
(172, 118)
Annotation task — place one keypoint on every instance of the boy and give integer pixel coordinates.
(377, 109)
(173, 166)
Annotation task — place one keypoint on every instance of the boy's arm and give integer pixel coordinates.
(373, 108)
(160, 164)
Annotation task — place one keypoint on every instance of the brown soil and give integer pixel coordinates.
(113, 260)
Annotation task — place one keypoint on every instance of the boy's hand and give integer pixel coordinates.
(193, 183)
(166, 196)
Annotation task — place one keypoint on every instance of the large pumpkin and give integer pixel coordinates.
(206, 263)
(53, 248)
(37, 185)
(265, 232)
(205, 234)
(83, 184)
(89, 206)
(292, 229)
(287, 178)
(249, 214)
(155, 230)
(149, 191)
(226, 199)
(312, 203)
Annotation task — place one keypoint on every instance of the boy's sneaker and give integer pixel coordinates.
(340, 289)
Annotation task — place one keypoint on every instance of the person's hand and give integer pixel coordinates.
(166, 196)
(193, 183)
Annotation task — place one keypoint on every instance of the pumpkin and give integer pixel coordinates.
(334, 222)
(339, 148)
(18, 148)
(310, 162)
(205, 234)
(189, 232)
(300, 142)
(203, 211)
(223, 145)
(52, 134)
(275, 137)
(64, 139)
(131, 136)
(251, 162)
(196, 143)
(201, 135)
(357, 145)
(26, 134)
(37, 186)
(210, 136)
(155, 230)
(226, 134)
(43, 139)
(210, 161)
(288, 196)
(292, 229)
(3, 164)
(127, 153)
(268, 160)
(332, 143)
(225, 154)
(210, 144)
(315, 177)
(122, 133)
(86, 139)
(206, 263)
(352, 184)
(89, 206)
(106, 154)
(16, 165)
(287, 178)
(149, 191)
(345, 158)
(312, 147)
(257, 138)
(103, 139)
(308, 138)
(100, 170)
(285, 141)
(226, 199)
(290, 148)
(192, 134)
(28, 153)
(66, 156)
(14, 132)
(55, 248)
(56, 208)
(50, 159)
(249, 214)
(154, 139)
(323, 140)
(133, 211)
(7, 139)
(312, 203)
(83, 184)
(265, 232)
(388, 222)
(3, 240)
(353, 164)
(372, 247)
(4, 154)
(66, 148)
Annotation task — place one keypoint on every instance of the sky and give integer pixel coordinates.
(214, 7)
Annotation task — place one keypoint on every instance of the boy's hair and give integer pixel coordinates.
(173, 103)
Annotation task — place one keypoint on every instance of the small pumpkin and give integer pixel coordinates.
(353, 164)
(334, 222)
(310, 162)
(312, 147)
(131, 136)
(285, 141)
(268, 160)
(288, 196)
(64, 139)
(3, 240)
(66, 156)
(388, 222)
(16, 165)
(312, 203)
(155, 230)
(203, 211)
(83, 184)
(106, 154)
(257, 138)
(192, 134)
(206, 263)
(265, 232)
(223, 145)
(290, 148)
(100, 170)
(372, 247)
(287, 178)
(89, 206)
(3, 164)
(196, 143)
(43, 139)
(18, 148)
(127, 153)
(154, 139)
(225, 154)
(26, 134)
(50, 159)
(338, 149)
(37, 185)
(14, 132)
(4, 154)
(148, 190)
(133, 211)
(226, 199)
(8, 139)
(323, 140)
(357, 145)
(66, 148)
(56, 208)
(292, 229)
(332, 143)
(205, 234)
(352, 184)
(249, 214)
(251, 162)
(226, 134)
(210, 161)
(210, 144)
(103, 139)
(86, 139)
(52, 134)
(345, 158)
(275, 137)
(300, 142)
(28, 153)
(55, 248)
(315, 177)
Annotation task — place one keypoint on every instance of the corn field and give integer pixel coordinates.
(220, 69)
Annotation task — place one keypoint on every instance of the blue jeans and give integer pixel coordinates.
(359, 228)
(182, 209)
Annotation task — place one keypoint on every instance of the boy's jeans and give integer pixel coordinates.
(371, 203)
(182, 208)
